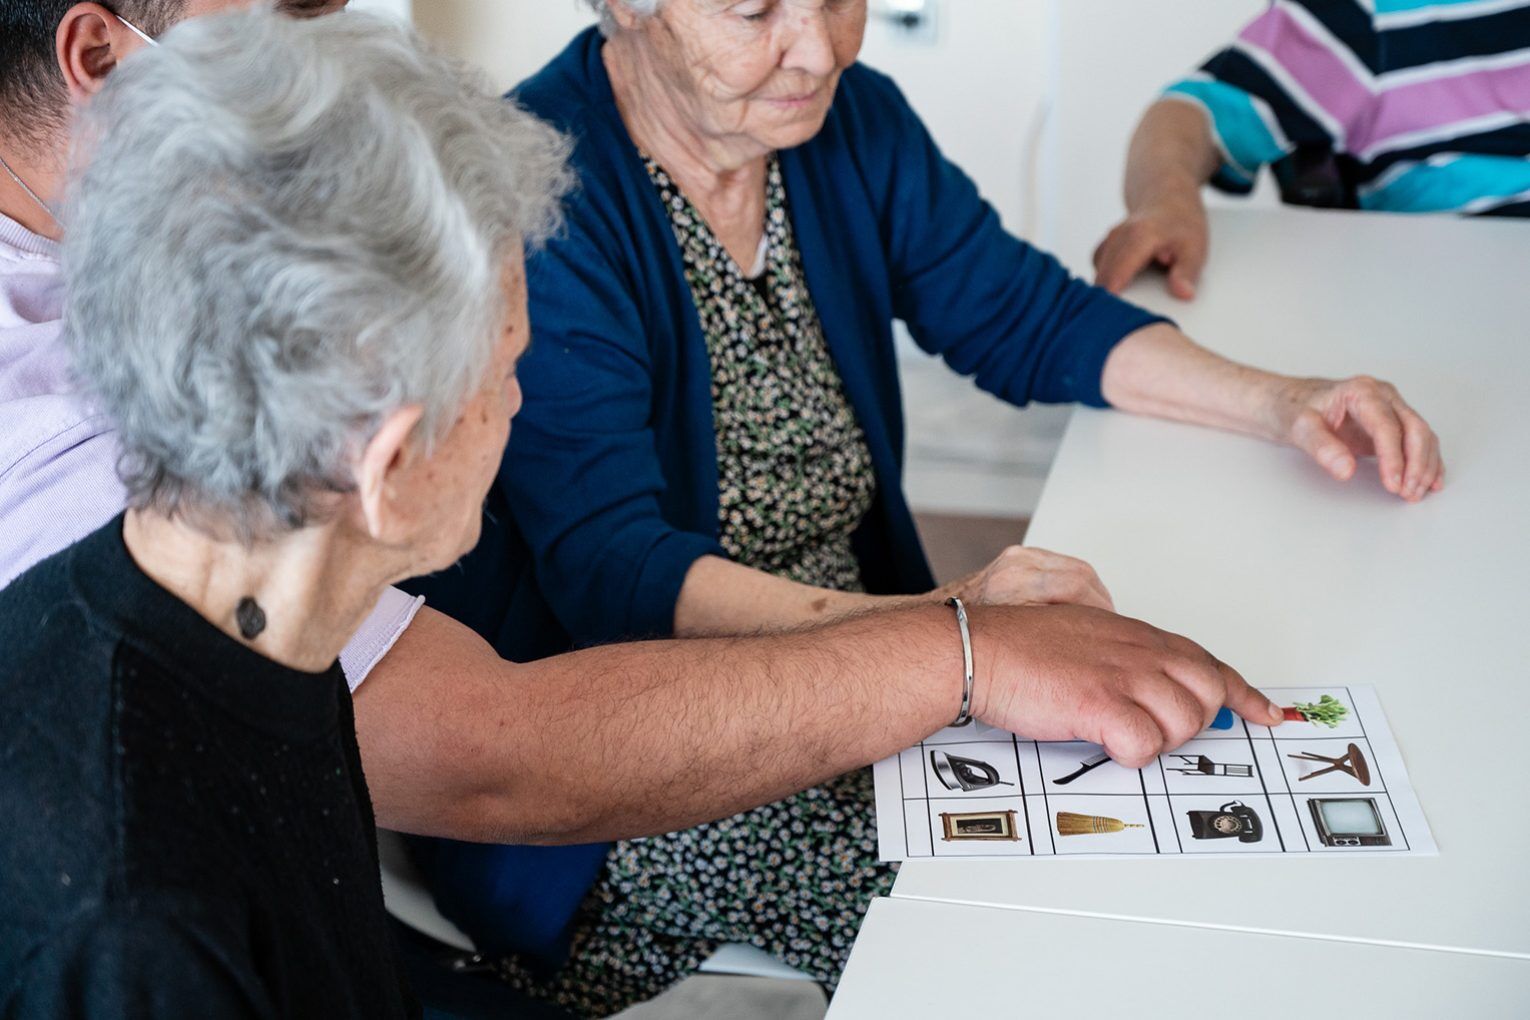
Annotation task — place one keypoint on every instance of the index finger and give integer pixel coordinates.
(1246, 701)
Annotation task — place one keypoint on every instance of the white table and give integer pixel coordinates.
(922, 960)
(1298, 580)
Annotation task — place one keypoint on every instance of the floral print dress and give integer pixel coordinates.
(794, 480)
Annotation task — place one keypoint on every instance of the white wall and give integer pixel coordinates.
(508, 38)
(1085, 70)
(1111, 59)
(981, 88)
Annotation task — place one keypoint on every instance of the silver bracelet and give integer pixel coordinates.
(965, 716)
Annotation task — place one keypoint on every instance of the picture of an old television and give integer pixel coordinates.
(1349, 821)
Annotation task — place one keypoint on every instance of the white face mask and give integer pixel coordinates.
(44, 206)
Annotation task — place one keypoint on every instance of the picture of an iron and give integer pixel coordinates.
(1087, 765)
(965, 774)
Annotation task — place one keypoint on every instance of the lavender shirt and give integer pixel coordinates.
(58, 474)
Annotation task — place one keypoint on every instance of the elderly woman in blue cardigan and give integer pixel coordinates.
(712, 439)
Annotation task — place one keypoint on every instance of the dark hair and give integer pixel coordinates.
(32, 97)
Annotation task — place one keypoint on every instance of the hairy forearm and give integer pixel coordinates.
(722, 598)
(1158, 371)
(630, 740)
(1172, 155)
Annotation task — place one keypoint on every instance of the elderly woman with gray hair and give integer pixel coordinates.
(713, 436)
(297, 286)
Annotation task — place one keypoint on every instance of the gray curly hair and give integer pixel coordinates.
(608, 23)
(281, 231)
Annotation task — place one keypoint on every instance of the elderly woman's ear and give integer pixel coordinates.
(388, 455)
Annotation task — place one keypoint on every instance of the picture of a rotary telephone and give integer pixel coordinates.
(1234, 818)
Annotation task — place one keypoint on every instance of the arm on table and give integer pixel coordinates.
(1173, 154)
(1161, 372)
(629, 740)
(721, 597)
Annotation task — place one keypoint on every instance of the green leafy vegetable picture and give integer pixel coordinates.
(1326, 711)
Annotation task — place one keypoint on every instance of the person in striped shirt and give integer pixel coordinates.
(1416, 106)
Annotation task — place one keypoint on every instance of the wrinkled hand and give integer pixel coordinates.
(1022, 576)
(1173, 235)
(1337, 422)
(1075, 673)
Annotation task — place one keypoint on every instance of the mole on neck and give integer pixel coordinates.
(251, 618)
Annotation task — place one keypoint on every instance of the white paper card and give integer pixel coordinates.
(1306, 787)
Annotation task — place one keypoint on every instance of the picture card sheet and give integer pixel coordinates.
(1330, 780)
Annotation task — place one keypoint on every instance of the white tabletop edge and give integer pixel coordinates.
(1241, 929)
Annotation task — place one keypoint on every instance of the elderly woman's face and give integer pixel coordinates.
(765, 70)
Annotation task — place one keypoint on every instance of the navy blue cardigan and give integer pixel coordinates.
(608, 491)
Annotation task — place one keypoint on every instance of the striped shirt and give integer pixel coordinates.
(1424, 103)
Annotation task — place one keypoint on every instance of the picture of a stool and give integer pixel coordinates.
(1200, 765)
(1352, 762)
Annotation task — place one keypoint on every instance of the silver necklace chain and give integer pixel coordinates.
(30, 193)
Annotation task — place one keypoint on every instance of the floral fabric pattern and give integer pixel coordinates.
(794, 481)
(794, 471)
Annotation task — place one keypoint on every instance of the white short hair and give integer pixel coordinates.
(645, 8)
(281, 231)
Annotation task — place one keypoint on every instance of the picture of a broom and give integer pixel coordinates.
(1070, 824)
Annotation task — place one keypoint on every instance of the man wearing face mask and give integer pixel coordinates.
(609, 743)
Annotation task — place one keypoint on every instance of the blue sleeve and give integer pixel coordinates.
(583, 475)
(991, 305)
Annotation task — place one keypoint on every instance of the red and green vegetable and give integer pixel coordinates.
(1326, 711)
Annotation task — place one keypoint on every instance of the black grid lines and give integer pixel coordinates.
(1175, 796)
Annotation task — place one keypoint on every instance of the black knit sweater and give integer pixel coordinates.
(184, 825)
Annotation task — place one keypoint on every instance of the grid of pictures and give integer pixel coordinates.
(1329, 780)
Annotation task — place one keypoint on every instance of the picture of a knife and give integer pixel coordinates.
(1087, 765)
